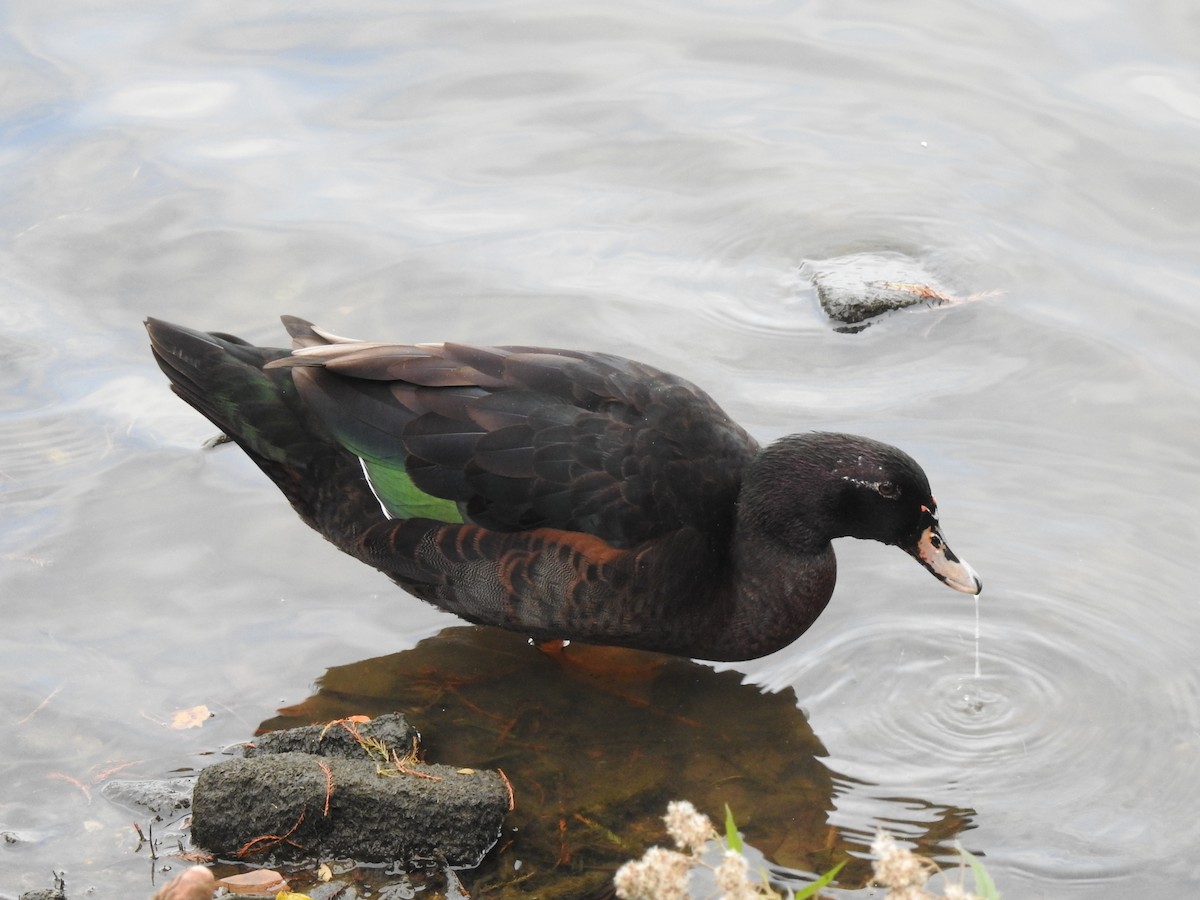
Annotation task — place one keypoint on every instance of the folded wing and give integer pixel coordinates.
(519, 438)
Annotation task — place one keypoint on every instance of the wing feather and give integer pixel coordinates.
(524, 437)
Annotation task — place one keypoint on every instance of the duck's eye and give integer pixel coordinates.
(888, 489)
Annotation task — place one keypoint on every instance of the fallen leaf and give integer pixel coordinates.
(190, 718)
(260, 881)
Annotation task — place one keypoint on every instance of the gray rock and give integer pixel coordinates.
(345, 740)
(58, 892)
(287, 806)
(855, 289)
(165, 798)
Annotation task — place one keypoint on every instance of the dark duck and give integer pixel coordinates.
(561, 494)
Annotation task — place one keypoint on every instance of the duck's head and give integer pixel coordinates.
(854, 486)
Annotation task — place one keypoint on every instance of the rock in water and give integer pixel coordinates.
(298, 805)
(854, 289)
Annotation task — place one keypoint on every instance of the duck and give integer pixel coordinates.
(566, 495)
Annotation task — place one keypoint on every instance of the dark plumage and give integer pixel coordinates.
(561, 494)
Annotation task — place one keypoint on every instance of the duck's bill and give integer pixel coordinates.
(935, 554)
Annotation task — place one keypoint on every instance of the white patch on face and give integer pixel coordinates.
(873, 485)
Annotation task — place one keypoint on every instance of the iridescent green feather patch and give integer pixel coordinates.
(402, 499)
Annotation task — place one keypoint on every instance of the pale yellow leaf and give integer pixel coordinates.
(189, 718)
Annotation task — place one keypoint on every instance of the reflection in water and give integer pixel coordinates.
(596, 741)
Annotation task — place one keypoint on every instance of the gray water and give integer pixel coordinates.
(645, 180)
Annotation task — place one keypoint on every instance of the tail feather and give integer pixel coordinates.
(224, 379)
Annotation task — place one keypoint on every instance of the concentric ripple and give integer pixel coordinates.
(922, 702)
(1057, 712)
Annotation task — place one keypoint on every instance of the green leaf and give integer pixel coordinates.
(984, 886)
(811, 890)
(733, 840)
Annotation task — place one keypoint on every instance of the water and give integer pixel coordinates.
(645, 182)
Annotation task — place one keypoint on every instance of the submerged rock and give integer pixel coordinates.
(58, 892)
(163, 798)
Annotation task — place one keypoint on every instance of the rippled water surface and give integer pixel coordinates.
(645, 181)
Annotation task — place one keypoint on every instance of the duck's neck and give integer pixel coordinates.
(775, 595)
(782, 565)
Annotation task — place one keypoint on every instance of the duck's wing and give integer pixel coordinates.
(520, 438)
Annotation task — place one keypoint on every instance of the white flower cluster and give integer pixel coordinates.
(904, 873)
(663, 874)
(659, 875)
(733, 878)
(691, 830)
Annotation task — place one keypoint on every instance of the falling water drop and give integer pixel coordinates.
(977, 672)
(974, 703)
